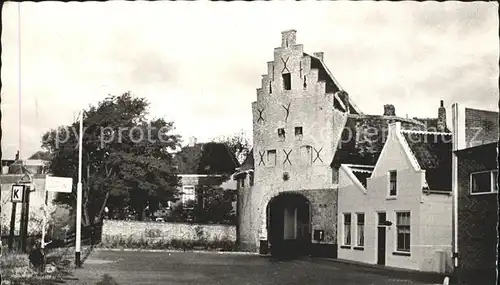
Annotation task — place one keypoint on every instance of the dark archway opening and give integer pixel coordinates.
(289, 225)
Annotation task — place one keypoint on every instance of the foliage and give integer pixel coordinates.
(238, 143)
(223, 244)
(214, 206)
(119, 169)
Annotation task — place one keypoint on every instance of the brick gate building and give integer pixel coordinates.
(288, 187)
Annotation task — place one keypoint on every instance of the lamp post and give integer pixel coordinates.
(79, 197)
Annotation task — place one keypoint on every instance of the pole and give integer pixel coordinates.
(79, 197)
(21, 244)
(26, 218)
(44, 223)
(12, 226)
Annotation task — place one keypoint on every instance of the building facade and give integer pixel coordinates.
(476, 183)
(302, 118)
(398, 212)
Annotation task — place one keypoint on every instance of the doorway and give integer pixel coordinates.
(288, 225)
(381, 239)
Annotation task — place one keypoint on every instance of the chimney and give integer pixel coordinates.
(389, 110)
(17, 155)
(441, 120)
(319, 55)
(192, 141)
(288, 38)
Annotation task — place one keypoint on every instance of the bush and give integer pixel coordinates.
(223, 244)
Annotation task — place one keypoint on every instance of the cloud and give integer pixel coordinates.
(199, 63)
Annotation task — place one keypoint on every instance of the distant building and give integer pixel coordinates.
(203, 164)
(398, 211)
(476, 152)
(15, 171)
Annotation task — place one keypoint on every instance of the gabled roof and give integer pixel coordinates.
(206, 158)
(364, 137)
(332, 85)
(433, 152)
(248, 163)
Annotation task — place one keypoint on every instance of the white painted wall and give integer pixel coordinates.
(430, 215)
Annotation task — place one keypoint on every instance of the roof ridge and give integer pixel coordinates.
(424, 132)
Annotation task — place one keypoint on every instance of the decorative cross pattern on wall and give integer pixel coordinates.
(285, 61)
(261, 118)
(287, 157)
(287, 110)
(317, 154)
(261, 153)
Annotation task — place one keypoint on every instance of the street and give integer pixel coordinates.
(213, 268)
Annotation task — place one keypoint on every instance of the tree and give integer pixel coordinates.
(215, 205)
(126, 162)
(238, 143)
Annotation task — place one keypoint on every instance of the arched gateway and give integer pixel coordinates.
(289, 225)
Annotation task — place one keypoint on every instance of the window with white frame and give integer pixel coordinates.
(188, 194)
(484, 182)
(347, 229)
(360, 229)
(271, 157)
(393, 186)
(403, 231)
(306, 154)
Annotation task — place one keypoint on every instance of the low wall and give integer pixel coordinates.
(167, 231)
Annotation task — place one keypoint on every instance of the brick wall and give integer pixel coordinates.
(481, 127)
(168, 231)
(477, 219)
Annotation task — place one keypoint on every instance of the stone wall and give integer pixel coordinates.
(168, 231)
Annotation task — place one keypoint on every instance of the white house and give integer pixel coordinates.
(398, 213)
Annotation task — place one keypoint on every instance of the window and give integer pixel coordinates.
(403, 231)
(251, 178)
(347, 229)
(287, 81)
(484, 182)
(243, 182)
(281, 133)
(393, 183)
(271, 157)
(298, 131)
(361, 229)
(306, 154)
(188, 194)
(335, 175)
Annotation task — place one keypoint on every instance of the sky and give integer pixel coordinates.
(199, 63)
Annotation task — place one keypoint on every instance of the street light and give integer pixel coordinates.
(79, 197)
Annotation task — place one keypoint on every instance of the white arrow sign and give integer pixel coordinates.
(59, 184)
(17, 193)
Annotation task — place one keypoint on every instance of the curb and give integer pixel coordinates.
(431, 277)
(174, 251)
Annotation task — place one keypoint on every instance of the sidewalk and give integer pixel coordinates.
(427, 277)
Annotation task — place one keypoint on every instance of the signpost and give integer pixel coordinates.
(17, 193)
(17, 196)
